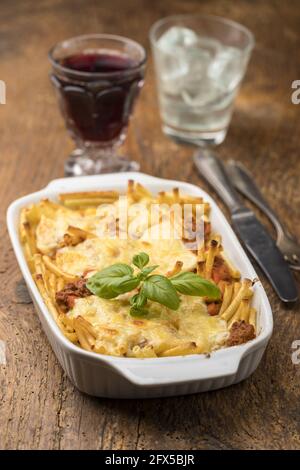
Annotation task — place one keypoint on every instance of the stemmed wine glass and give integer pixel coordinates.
(97, 78)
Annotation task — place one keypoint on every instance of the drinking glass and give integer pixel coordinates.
(200, 62)
(97, 79)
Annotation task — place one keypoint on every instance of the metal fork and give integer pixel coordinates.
(244, 182)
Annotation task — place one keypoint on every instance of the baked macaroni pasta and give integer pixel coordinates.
(66, 243)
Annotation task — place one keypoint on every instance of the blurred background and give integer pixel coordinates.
(32, 129)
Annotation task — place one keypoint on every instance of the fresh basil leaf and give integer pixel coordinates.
(159, 289)
(140, 260)
(108, 288)
(126, 285)
(113, 281)
(192, 284)
(115, 270)
(138, 300)
(146, 271)
(138, 312)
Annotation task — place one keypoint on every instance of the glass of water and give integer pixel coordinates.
(200, 62)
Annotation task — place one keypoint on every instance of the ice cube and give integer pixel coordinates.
(227, 68)
(210, 45)
(198, 61)
(205, 93)
(177, 36)
(197, 90)
(171, 71)
(171, 58)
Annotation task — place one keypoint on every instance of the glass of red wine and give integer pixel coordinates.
(97, 78)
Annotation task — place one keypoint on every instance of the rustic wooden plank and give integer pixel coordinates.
(39, 407)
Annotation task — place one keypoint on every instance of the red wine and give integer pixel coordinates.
(97, 108)
(98, 63)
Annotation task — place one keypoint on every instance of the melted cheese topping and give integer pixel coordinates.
(188, 330)
(162, 331)
(50, 231)
(96, 254)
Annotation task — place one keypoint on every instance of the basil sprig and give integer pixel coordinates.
(121, 278)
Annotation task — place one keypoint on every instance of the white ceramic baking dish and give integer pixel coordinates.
(107, 376)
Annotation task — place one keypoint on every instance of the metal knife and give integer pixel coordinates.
(244, 182)
(248, 228)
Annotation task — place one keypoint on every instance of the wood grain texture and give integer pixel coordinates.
(39, 407)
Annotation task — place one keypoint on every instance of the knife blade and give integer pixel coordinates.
(249, 229)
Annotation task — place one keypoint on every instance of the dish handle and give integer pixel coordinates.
(181, 369)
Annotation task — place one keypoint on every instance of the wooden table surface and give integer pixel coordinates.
(39, 407)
